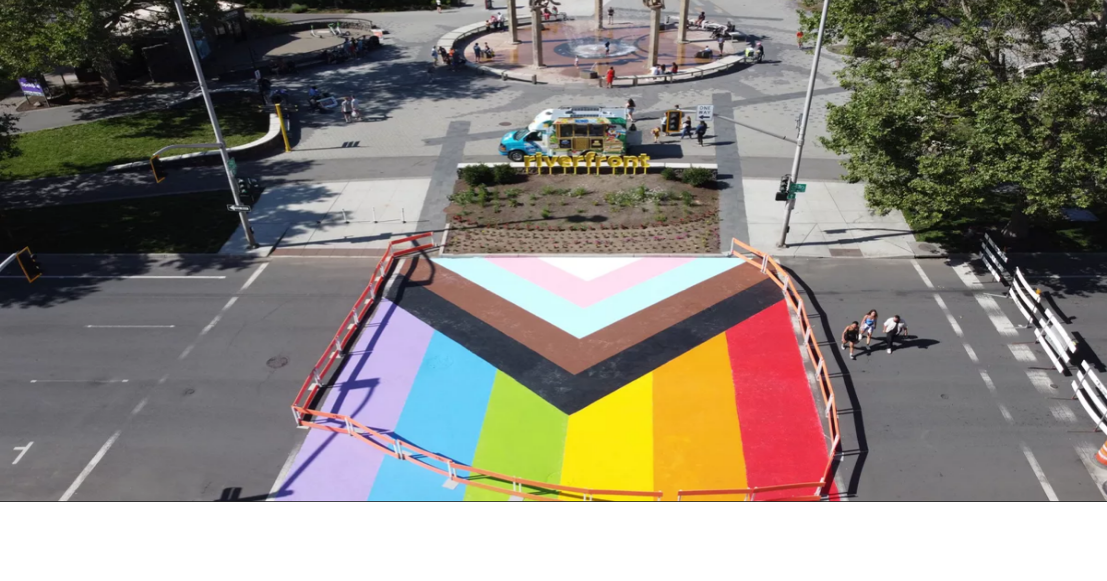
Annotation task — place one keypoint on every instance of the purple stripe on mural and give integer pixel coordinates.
(372, 389)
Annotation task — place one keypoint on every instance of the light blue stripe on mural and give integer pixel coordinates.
(443, 414)
(581, 322)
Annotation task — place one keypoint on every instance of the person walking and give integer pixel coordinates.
(610, 16)
(607, 48)
(701, 130)
(686, 131)
(760, 52)
(799, 39)
(434, 55)
(610, 77)
(657, 133)
(722, 41)
(850, 337)
(868, 325)
(630, 109)
(439, 4)
(354, 112)
(346, 109)
(476, 50)
(893, 329)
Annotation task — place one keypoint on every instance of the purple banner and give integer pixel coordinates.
(31, 88)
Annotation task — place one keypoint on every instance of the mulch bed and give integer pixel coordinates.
(576, 214)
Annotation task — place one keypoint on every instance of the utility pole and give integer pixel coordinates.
(250, 242)
(788, 205)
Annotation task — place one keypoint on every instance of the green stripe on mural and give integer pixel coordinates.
(522, 436)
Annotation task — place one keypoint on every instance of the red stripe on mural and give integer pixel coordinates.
(782, 435)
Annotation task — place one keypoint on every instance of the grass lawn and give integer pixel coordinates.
(92, 147)
(1045, 236)
(186, 223)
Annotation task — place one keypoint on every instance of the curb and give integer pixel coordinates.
(274, 131)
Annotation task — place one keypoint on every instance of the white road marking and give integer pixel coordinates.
(1006, 414)
(1041, 381)
(79, 380)
(139, 407)
(1037, 468)
(1060, 276)
(186, 352)
(127, 277)
(988, 381)
(253, 277)
(967, 276)
(219, 316)
(1022, 352)
(22, 451)
(949, 316)
(130, 326)
(919, 269)
(1062, 413)
(284, 472)
(1097, 471)
(91, 465)
(996, 315)
(972, 354)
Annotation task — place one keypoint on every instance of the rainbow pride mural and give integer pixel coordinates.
(619, 373)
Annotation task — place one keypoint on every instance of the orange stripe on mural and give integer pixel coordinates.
(697, 439)
(780, 425)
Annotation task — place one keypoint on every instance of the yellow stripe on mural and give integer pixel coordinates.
(696, 437)
(610, 443)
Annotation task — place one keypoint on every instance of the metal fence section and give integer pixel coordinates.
(1092, 395)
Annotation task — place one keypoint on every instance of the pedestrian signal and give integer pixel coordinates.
(672, 121)
(782, 191)
(29, 264)
(159, 169)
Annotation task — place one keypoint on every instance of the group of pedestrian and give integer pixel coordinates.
(350, 111)
(685, 131)
(496, 22)
(894, 328)
(485, 53)
(664, 69)
(754, 54)
(451, 58)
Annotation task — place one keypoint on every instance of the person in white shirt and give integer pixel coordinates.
(655, 70)
(354, 110)
(893, 328)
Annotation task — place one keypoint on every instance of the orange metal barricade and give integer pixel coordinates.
(405, 451)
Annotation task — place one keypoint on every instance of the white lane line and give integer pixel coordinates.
(127, 277)
(130, 326)
(284, 472)
(79, 380)
(1098, 472)
(91, 465)
(22, 451)
(1006, 414)
(967, 276)
(140, 405)
(1037, 468)
(949, 316)
(219, 316)
(972, 354)
(1022, 352)
(1062, 413)
(988, 381)
(1041, 381)
(919, 269)
(253, 277)
(996, 315)
(186, 352)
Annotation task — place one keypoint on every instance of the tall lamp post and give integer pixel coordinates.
(250, 241)
(788, 205)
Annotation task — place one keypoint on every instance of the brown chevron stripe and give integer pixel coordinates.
(566, 351)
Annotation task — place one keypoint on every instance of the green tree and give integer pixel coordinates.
(7, 136)
(36, 35)
(946, 119)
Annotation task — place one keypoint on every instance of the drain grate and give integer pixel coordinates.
(505, 123)
(846, 252)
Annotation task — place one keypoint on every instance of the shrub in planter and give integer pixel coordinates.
(697, 176)
(478, 175)
(298, 9)
(503, 174)
(670, 174)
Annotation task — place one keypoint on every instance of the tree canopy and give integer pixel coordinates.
(37, 35)
(947, 119)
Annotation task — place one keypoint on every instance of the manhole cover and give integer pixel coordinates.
(277, 362)
(505, 123)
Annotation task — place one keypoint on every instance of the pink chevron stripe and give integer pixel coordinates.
(587, 293)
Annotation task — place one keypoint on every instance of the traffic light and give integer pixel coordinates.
(672, 121)
(782, 191)
(159, 169)
(29, 264)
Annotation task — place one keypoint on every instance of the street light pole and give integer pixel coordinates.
(250, 242)
(788, 205)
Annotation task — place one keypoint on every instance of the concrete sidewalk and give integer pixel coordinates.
(831, 219)
(334, 219)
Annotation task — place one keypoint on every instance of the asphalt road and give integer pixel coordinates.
(936, 420)
(161, 388)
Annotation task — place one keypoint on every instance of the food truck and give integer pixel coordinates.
(602, 130)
